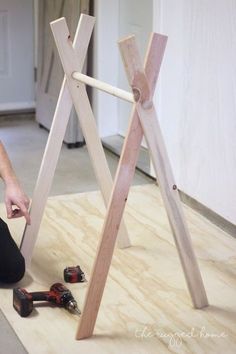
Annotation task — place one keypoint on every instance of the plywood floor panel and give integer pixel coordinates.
(146, 308)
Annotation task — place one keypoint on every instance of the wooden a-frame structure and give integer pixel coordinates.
(143, 121)
(55, 139)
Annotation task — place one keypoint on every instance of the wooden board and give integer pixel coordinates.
(54, 142)
(143, 92)
(146, 299)
(123, 179)
(156, 145)
(57, 132)
(85, 114)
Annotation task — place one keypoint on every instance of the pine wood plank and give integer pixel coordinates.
(54, 142)
(145, 287)
(53, 147)
(123, 179)
(86, 117)
(162, 167)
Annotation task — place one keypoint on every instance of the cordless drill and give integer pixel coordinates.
(58, 294)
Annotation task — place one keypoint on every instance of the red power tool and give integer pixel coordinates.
(58, 294)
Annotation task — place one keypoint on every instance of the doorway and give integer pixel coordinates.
(16, 56)
(122, 18)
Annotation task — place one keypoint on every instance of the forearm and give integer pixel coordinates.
(14, 194)
(6, 170)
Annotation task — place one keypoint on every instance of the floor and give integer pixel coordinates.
(25, 143)
(146, 307)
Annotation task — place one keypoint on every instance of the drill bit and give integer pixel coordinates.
(72, 306)
(77, 310)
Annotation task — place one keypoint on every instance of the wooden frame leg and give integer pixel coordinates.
(124, 176)
(170, 195)
(143, 119)
(85, 115)
(53, 147)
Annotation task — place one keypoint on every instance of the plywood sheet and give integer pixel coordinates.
(146, 306)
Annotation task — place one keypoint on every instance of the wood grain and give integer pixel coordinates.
(87, 122)
(145, 287)
(162, 167)
(123, 179)
(53, 147)
(54, 142)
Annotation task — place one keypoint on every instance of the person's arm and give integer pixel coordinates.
(14, 194)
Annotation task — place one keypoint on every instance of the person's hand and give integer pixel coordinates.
(14, 196)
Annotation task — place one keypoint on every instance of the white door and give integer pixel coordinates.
(50, 72)
(16, 55)
(135, 17)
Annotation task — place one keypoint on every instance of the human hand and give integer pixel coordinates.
(15, 196)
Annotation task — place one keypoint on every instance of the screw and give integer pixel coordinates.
(136, 93)
(174, 187)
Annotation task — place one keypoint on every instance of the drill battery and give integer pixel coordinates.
(74, 275)
(22, 302)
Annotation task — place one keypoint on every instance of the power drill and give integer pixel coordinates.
(58, 294)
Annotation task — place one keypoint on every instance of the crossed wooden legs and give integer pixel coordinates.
(56, 136)
(143, 119)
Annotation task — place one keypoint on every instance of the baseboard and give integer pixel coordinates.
(115, 143)
(16, 107)
(212, 216)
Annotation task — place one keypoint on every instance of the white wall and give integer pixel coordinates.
(138, 23)
(196, 93)
(198, 99)
(105, 63)
(116, 19)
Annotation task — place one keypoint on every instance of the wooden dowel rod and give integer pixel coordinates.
(103, 86)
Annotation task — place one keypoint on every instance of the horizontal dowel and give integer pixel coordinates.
(127, 96)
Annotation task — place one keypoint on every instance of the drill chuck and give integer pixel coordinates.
(72, 306)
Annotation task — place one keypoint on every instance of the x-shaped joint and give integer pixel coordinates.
(143, 120)
(72, 56)
(84, 111)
